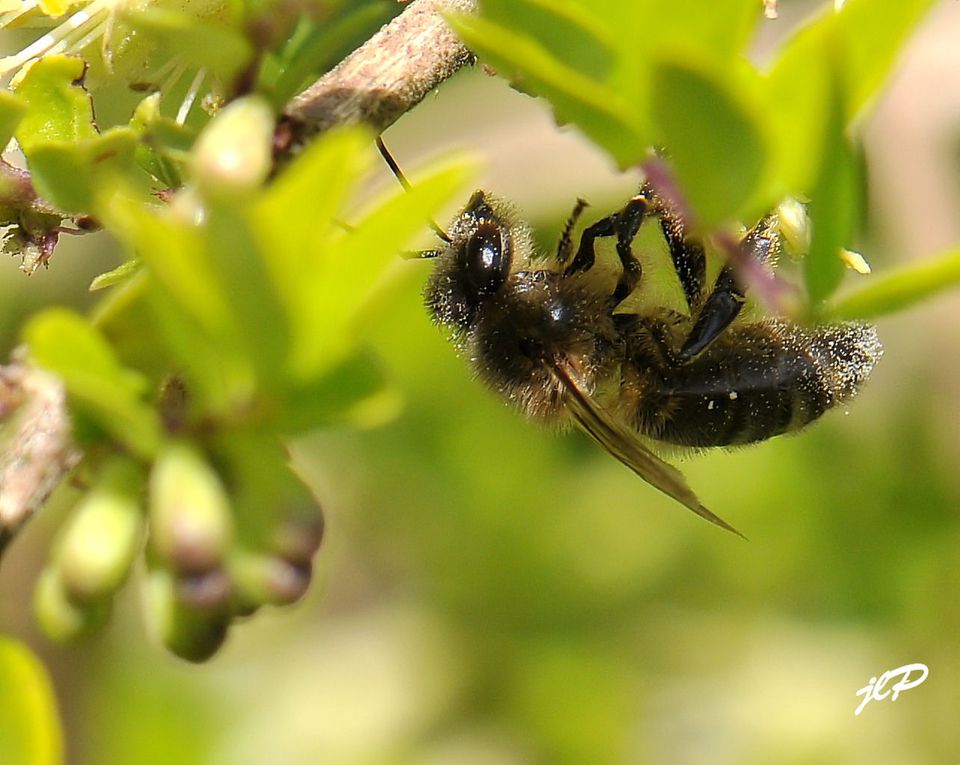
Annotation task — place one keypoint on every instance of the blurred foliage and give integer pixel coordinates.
(29, 726)
(510, 604)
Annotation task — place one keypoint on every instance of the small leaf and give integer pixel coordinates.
(68, 157)
(59, 108)
(713, 138)
(70, 174)
(30, 731)
(66, 344)
(900, 289)
(118, 275)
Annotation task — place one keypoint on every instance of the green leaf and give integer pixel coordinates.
(175, 252)
(713, 137)
(58, 106)
(12, 109)
(577, 30)
(835, 209)
(66, 344)
(118, 275)
(30, 731)
(194, 41)
(899, 289)
(601, 112)
(68, 158)
(315, 47)
(70, 175)
(257, 315)
(353, 392)
(343, 275)
(798, 97)
(873, 33)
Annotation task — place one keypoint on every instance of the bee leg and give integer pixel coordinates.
(565, 245)
(725, 301)
(624, 225)
(689, 259)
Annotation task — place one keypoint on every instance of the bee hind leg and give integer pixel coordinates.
(761, 243)
(689, 259)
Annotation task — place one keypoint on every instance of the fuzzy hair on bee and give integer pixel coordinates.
(551, 337)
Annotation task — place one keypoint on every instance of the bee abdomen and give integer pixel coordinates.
(757, 381)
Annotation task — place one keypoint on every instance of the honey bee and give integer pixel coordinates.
(556, 338)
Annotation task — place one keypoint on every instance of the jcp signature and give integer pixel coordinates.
(911, 675)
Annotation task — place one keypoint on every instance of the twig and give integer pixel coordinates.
(384, 78)
(35, 446)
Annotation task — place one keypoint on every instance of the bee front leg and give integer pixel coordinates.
(725, 301)
(624, 225)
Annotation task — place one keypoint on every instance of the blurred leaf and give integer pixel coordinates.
(835, 209)
(322, 273)
(67, 345)
(797, 97)
(252, 300)
(899, 289)
(342, 278)
(175, 253)
(293, 221)
(598, 110)
(873, 34)
(575, 28)
(70, 174)
(193, 40)
(713, 137)
(316, 46)
(29, 724)
(353, 392)
(12, 109)
(118, 275)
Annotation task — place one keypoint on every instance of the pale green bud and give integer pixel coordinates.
(102, 537)
(268, 579)
(192, 633)
(59, 617)
(234, 154)
(191, 525)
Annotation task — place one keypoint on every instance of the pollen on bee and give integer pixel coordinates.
(733, 395)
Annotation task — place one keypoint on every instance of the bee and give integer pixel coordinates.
(556, 338)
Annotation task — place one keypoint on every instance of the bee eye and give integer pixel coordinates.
(486, 259)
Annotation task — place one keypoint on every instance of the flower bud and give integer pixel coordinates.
(61, 618)
(192, 633)
(100, 541)
(268, 579)
(190, 520)
(794, 227)
(234, 153)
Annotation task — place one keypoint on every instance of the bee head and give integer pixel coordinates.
(484, 241)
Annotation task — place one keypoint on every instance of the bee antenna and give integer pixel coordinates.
(398, 174)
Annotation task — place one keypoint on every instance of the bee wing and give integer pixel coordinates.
(626, 447)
